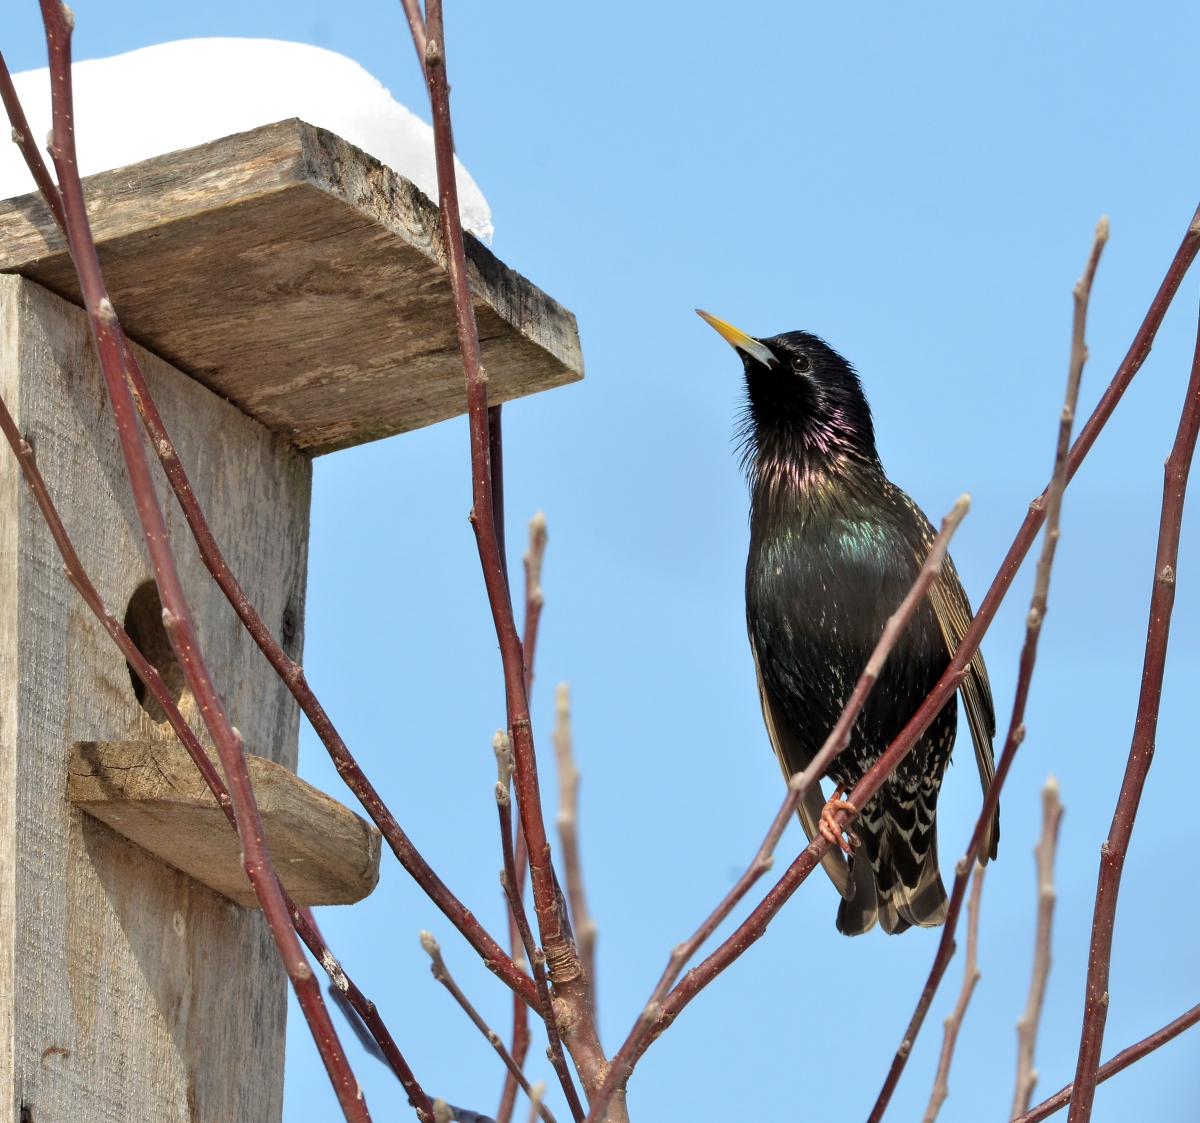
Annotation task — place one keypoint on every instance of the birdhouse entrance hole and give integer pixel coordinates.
(143, 622)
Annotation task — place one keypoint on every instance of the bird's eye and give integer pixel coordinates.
(801, 364)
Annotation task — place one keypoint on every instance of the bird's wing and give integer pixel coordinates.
(793, 758)
(953, 612)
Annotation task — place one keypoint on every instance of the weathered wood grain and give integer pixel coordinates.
(152, 793)
(302, 280)
(128, 990)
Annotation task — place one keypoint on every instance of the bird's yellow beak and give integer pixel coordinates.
(738, 339)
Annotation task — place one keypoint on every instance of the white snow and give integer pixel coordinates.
(177, 95)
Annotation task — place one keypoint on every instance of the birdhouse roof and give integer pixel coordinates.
(301, 279)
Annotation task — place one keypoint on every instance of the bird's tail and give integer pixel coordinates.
(895, 875)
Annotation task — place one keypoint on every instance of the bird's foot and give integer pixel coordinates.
(832, 829)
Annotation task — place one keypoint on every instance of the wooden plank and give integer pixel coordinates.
(152, 793)
(128, 990)
(302, 280)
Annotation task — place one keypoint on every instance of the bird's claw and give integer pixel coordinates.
(832, 829)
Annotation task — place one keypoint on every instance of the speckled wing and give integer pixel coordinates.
(953, 612)
(794, 758)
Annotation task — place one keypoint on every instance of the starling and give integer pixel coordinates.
(834, 548)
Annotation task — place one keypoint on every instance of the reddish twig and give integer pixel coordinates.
(756, 924)
(176, 617)
(302, 921)
(647, 1027)
(290, 672)
(568, 833)
(1121, 1061)
(570, 981)
(1141, 752)
(534, 601)
(416, 25)
(442, 973)
(952, 1024)
(533, 609)
(1027, 1025)
(23, 138)
(508, 880)
(1033, 629)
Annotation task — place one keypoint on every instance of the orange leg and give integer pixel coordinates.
(830, 827)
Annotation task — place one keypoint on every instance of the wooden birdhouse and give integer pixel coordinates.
(288, 295)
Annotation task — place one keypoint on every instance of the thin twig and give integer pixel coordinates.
(416, 25)
(534, 600)
(59, 23)
(535, 1100)
(568, 833)
(291, 673)
(1027, 1025)
(646, 1027)
(534, 597)
(301, 918)
(572, 989)
(23, 137)
(1121, 1061)
(1141, 751)
(952, 1024)
(442, 973)
(545, 1007)
(1033, 630)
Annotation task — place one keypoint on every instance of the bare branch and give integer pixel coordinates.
(952, 1024)
(1027, 1026)
(442, 973)
(1120, 1062)
(508, 881)
(568, 832)
(1033, 630)
(534, 601)
(1141, 751)
(571, 985)
(23, 138)
(648, 1026)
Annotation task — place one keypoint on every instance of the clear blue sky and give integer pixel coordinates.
(918, 184)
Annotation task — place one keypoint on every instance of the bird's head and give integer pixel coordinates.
(804, 402)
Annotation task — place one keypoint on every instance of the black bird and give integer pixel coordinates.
(834, 548)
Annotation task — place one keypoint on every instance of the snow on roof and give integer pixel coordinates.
(177, 95)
